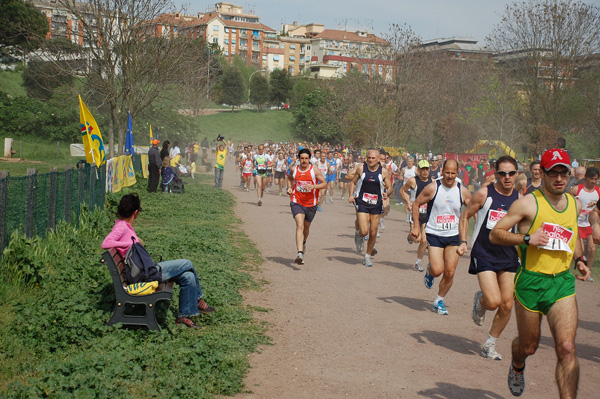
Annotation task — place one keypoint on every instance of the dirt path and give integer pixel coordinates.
(340, 329)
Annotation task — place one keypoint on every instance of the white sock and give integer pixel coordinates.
(418, 262)
(367, 256)
(439, 298)
(491, 340)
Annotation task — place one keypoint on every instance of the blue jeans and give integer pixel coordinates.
(182, 272)
(219, 177)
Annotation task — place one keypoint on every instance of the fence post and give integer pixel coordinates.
(67, 193)
(52, 198)
(30, 202)
(3, 205)
(93, 176)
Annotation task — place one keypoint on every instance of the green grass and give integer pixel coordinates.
(248, 125)
(39, 154)
(11, 82)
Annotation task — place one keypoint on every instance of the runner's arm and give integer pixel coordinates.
(521, 211)
(595, 223)
(423, 198)
(466, 195)
(322, 182)
(387, 182)
(408, 185)
(573, 191)
(474, 206)
(356, 175)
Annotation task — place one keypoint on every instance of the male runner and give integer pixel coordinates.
(447, 196)
(323, 167)
(544, 285)
(281, 167)
(344, 169)
(409, 171)
(589, 194)
(246, 166)
(416, 185)
(303, 186)
(494, 265)
(369, 188)
(331, 174)
(535, 181)
(261, 160)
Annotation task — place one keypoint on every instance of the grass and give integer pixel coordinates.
(248, 125)
(37, 153)
(11, 82)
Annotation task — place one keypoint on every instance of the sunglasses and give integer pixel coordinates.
(504, 174)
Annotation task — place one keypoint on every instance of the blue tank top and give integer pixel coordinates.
(332, 164)
(494, 208)
(369, 189)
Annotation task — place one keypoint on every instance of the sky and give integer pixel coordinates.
(429, 19)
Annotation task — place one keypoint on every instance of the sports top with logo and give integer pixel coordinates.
(444, 210)
(369, 188)
(301, 195)
(260, 164)
(494, 208)
(332, 167)
(561, 227)
(587, 197)
(420, 187)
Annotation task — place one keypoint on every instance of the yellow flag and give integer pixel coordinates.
(151, 135)
(90, 134)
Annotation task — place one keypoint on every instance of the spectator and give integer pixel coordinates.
(174, 151)
(165, 150)
(180, 271)
(167, 173)
(154, 163)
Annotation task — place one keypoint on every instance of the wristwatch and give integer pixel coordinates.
(526, 239)
(462, 242)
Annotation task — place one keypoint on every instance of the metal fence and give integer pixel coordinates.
(36, 202)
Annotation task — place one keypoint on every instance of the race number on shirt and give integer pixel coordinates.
(445, 222)
(301, 186)
(559, 237)
(423, 208)
(494, 217)
(370, 199)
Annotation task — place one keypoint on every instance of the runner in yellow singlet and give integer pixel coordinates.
(547, 240)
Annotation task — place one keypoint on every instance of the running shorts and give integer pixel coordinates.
(280, 175)
(308, 212)
(537, 292)
(442, 242)
(585, 232)
(329, 178)
(343, 178)
(373, 210)
(246, 174)
(478, 266)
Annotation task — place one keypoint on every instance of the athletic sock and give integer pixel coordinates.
(418, 262)
(439, 298)
(517, 369)
(490, 340)
(367, 256)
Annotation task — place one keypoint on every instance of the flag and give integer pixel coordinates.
(90, 134)
(129, 137)
(151, 136)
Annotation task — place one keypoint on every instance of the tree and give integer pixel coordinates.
(281, 86)
(259, 90)
(317, 117)
(20, 25)
(233, 87)
(41, 78)
(544, 43)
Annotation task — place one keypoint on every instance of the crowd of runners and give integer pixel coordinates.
(531, 221)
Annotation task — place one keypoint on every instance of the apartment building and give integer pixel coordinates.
(62, 23)
(458, 48)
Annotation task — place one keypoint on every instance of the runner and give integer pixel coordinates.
(416, 185)
(535, 181)
(331, 174)
(494, 265)
(345, 168)
(544, 285)
(281, 167)
(589, 194)
(409, 171)
(303, 187)
(447, 197)
(323, 167)
(246, 166)
(260, 168)
(369, 187)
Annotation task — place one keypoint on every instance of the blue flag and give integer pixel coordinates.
(129, 137)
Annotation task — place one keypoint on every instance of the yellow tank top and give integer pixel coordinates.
(547, 261)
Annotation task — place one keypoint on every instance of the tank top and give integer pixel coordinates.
(444, 210)
(345, 168)
(322, 167)
(562, 229)
(300, 195)
(494, 208)
(586, 197)
(369, 188)
(420, 186)
(530, 188)
(279, 165)
(332, 167)
(408, 173)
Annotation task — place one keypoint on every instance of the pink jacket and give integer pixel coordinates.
(120, 237)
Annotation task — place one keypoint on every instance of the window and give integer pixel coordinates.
(292, 46)
(308, 47)
(243, 43)
(331, 52)
(276, 58)
(215, 40)
(215, 28)
(226, 41)
(301, 58)
(281, 45)
(292, 58)
(225, 53)
(233, 30)
(226, 30)
(264, 57)
(232, 41)
(380, 69)
(291, 70)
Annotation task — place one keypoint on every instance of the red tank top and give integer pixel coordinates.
(301, 195)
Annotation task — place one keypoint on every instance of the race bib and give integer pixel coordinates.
(559, 237)
(331, 170)
(423, 208)
(370, 199)
(301, 186)
(345, 171)
(445, 222)
(494, 217)
(261, 166)
(584, 216)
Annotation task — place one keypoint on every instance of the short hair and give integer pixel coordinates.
(447, 161)
(304, 151)
(561, 142)
(532, 164)
(506, 158)
(128, 205)
(591, 172)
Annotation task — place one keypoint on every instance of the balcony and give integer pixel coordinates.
(256, 48)
(243, 47)
(243, 35)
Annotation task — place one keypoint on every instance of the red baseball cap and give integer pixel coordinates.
(555, 157)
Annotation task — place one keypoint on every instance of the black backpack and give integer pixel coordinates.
(139, 266)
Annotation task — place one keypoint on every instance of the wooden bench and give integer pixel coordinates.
(113, 260)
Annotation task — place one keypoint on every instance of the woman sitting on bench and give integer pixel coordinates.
(181, 271)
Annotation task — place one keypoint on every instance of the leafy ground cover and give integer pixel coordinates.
(55, 298)
(11, 82)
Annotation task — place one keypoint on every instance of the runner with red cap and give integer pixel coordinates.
(547, 240)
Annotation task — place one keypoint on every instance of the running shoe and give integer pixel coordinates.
(374, 251)
(489, 352)
(260, 202)
(300, 258)
(247, 190)
(516, 381)
(418, 267)
(381, 225)
(331, 200)
(319, 208)
(367, 262)
(428, 279)
(280, 193)
(478, 314)
(358, 241)
(440, 308)
(343, 198)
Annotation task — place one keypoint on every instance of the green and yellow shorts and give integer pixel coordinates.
(537, 292)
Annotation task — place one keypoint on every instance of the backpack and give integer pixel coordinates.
(139, 266)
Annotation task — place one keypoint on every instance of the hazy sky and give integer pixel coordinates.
(429, 19)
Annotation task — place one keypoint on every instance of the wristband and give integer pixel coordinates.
(463, 242)
(581, 259)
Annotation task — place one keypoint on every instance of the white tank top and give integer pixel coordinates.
(444, 211)
(408, 173)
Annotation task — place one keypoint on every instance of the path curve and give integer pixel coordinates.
(340, 329)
